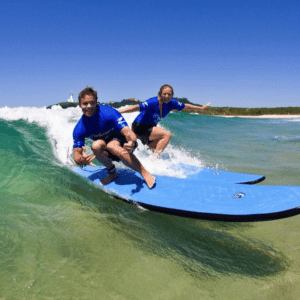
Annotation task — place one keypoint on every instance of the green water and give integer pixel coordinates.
(63, 238)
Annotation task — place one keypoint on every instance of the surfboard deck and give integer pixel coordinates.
(201, 173)
(211, 200)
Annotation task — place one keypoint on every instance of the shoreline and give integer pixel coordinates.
(263, 116)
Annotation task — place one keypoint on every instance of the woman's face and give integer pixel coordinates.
(166, 94)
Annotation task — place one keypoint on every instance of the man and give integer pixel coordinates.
(113, 139)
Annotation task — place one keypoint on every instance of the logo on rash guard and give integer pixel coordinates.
(122, 122)
(101, 135)
(156, 118)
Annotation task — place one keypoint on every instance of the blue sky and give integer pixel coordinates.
(231, 53)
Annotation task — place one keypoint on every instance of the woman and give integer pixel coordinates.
(151, 112)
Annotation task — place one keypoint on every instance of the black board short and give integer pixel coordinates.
(121, 139)
(142, 131)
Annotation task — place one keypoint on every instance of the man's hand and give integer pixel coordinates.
(86, 159)
(129, 147)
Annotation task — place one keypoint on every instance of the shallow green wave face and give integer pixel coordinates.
(61, 237)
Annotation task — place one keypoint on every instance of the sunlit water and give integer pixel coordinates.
(61, 237)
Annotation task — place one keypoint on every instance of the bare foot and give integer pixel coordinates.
(109, 178)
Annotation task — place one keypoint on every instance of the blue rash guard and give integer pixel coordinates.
(104, 124)
(149, 110)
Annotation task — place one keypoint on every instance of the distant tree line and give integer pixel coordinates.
(65, 104)
(215, 111)
(124, 102)
(239, 111)
(185, 100)
(130, 101)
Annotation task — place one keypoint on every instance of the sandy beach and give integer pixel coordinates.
(266, 117)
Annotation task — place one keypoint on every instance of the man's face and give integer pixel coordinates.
(88, 105)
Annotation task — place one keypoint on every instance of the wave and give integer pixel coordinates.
(59, 124)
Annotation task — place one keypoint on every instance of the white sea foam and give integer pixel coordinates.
(171, 156)
(59, 124)
(294, 120)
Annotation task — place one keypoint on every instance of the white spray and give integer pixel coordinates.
(59, 124)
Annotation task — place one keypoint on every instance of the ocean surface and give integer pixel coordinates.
(61, 237)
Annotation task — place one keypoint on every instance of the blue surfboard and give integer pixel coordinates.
(203, 199)
(201, 173)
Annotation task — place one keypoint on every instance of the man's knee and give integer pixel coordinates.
(113, 147)
(98, 145)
